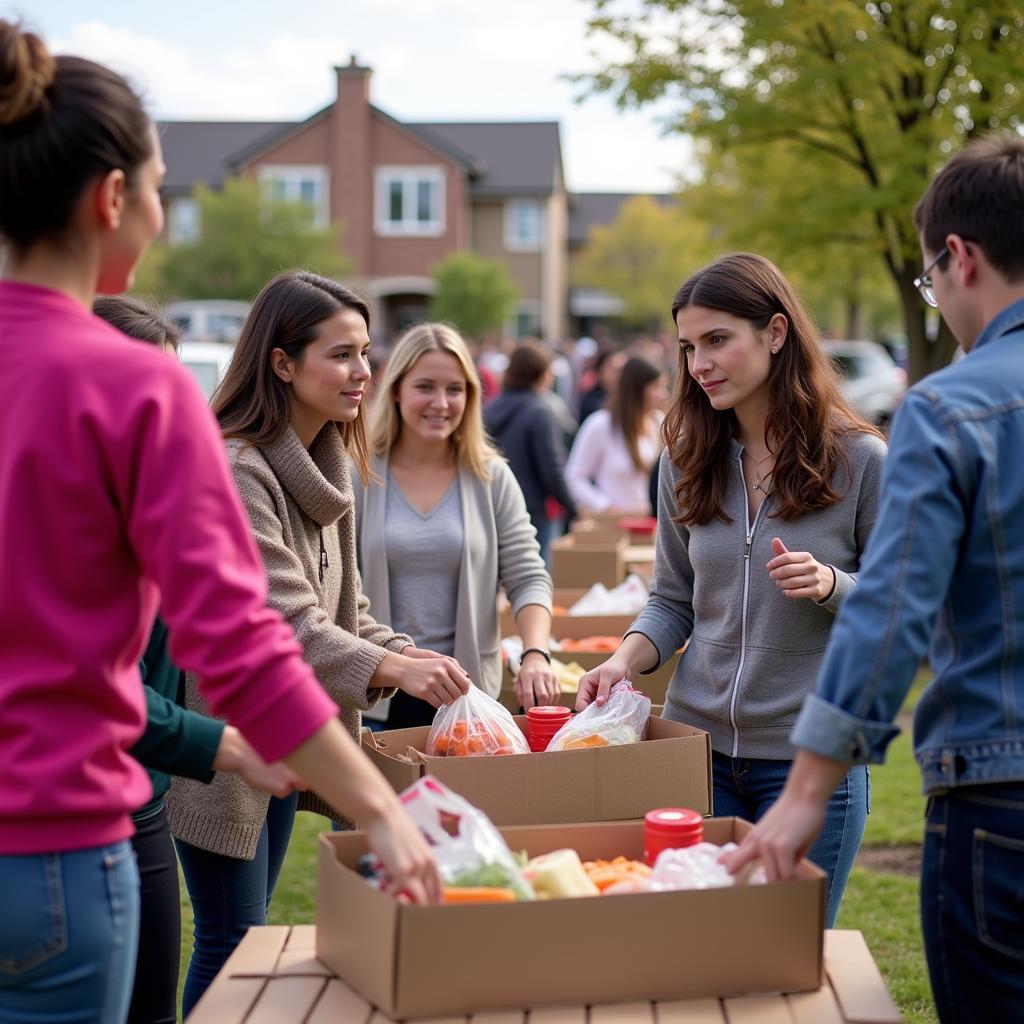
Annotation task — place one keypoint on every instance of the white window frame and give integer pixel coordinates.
(515, 242)
(292, 176)
(176, 233)
(410, 176)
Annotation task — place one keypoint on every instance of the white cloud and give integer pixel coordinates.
(424, 69)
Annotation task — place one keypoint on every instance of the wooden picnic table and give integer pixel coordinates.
(273, 977)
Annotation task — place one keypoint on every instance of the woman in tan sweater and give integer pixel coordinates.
(290, 408)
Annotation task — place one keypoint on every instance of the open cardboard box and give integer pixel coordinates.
(579, 561)
(671, 767)
(422, 961)
(571, 627)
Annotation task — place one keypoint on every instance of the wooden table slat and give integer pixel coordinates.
(559, 1015)
(301, 961)
(857, 981)
(815, 1007)
(301, 936)
(227, 1001)
(499, 1017)
(690, 1011)
(339, 1003)
(287, 998)
(757, 1010)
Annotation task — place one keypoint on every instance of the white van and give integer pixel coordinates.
(208, 362)
(208, 320)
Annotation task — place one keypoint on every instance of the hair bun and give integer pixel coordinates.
(26, 72)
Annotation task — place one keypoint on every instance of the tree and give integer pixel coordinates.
(474, 294)
(245, 239)
(642, 257)
(868, 98)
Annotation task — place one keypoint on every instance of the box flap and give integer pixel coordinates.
(365, 955)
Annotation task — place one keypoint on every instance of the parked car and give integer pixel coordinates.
(208, 362)
(870, 380)
(208, 320)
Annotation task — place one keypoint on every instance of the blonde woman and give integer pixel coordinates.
(446, 524)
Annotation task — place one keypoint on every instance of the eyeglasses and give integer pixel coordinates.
(924, 283)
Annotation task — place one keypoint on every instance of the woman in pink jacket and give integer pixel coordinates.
(114, 491)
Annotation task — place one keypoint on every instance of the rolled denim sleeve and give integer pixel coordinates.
(883, 630)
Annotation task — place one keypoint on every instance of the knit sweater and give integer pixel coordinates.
(300, 506)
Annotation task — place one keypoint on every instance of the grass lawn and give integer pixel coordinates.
(883, 906)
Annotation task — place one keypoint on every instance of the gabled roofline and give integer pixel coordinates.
(275, 138)
(472, 164)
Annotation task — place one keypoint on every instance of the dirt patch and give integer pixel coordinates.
(895, 860)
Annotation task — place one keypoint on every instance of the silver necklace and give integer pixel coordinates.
(760, 478)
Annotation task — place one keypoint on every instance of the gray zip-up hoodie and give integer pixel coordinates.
(754, 653)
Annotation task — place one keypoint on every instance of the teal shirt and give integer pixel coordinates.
(176, 741)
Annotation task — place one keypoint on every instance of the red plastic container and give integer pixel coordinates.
(670, 828)
(640, 526)
(542, 723)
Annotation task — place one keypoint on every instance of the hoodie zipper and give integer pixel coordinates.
(751, 527)
(323, 556)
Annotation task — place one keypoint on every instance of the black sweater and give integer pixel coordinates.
(526, 432)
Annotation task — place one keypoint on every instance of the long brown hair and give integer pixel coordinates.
(808, 416)
(252, 402)
(627, 406)
(138, 318)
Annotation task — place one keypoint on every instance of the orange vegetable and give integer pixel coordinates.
(583, 742)
(478, 894)
(603, 644)
(606, 873)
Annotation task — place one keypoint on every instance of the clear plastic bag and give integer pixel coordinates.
(622, 719)
(472, 725)
(469, 850)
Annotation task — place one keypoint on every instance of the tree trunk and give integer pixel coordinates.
(854, 321)
(926, 355)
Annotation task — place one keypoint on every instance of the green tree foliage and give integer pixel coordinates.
(642, 257)
(854, 104)
(474, 294)
(245, 239)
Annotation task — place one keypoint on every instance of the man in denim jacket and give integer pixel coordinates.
(945, 564)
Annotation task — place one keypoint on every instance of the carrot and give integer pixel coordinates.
(478, 894)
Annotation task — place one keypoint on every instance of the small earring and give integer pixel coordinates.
(774, 351)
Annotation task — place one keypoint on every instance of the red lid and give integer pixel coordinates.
(639, 524)
(675, 821)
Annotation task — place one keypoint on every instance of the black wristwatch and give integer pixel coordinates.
(536, 650)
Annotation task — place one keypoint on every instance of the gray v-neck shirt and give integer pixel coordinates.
(424, 559)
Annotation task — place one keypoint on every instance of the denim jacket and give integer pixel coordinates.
(945, 564)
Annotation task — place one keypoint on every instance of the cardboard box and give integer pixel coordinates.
(580, 562)
(422, 961)
(574, 627)
(670, 768)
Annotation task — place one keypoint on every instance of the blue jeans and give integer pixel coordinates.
(972, 902)
(68, 933)
(746, 787)
(230, 896)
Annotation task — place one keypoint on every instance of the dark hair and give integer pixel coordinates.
(526, 366)
(808, 416)
(252, 402)
(138, 319)
(63, 121)
(979, 195)
(626, 404)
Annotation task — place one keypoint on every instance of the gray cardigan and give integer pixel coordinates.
(499, 547)
(754, 653)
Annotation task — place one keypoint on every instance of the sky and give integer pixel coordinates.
(432, 60)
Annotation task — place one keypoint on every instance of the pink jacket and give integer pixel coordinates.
(115, 495)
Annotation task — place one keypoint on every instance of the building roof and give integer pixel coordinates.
(509, 157)
(588, 209)
(197, 151)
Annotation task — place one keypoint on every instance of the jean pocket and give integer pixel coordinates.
(33, 925)
(998, 869)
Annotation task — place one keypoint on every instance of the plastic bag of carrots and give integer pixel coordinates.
(473, 725)
(622, 719)
(476, 864)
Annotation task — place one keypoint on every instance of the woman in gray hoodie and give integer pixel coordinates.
(767, 494)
